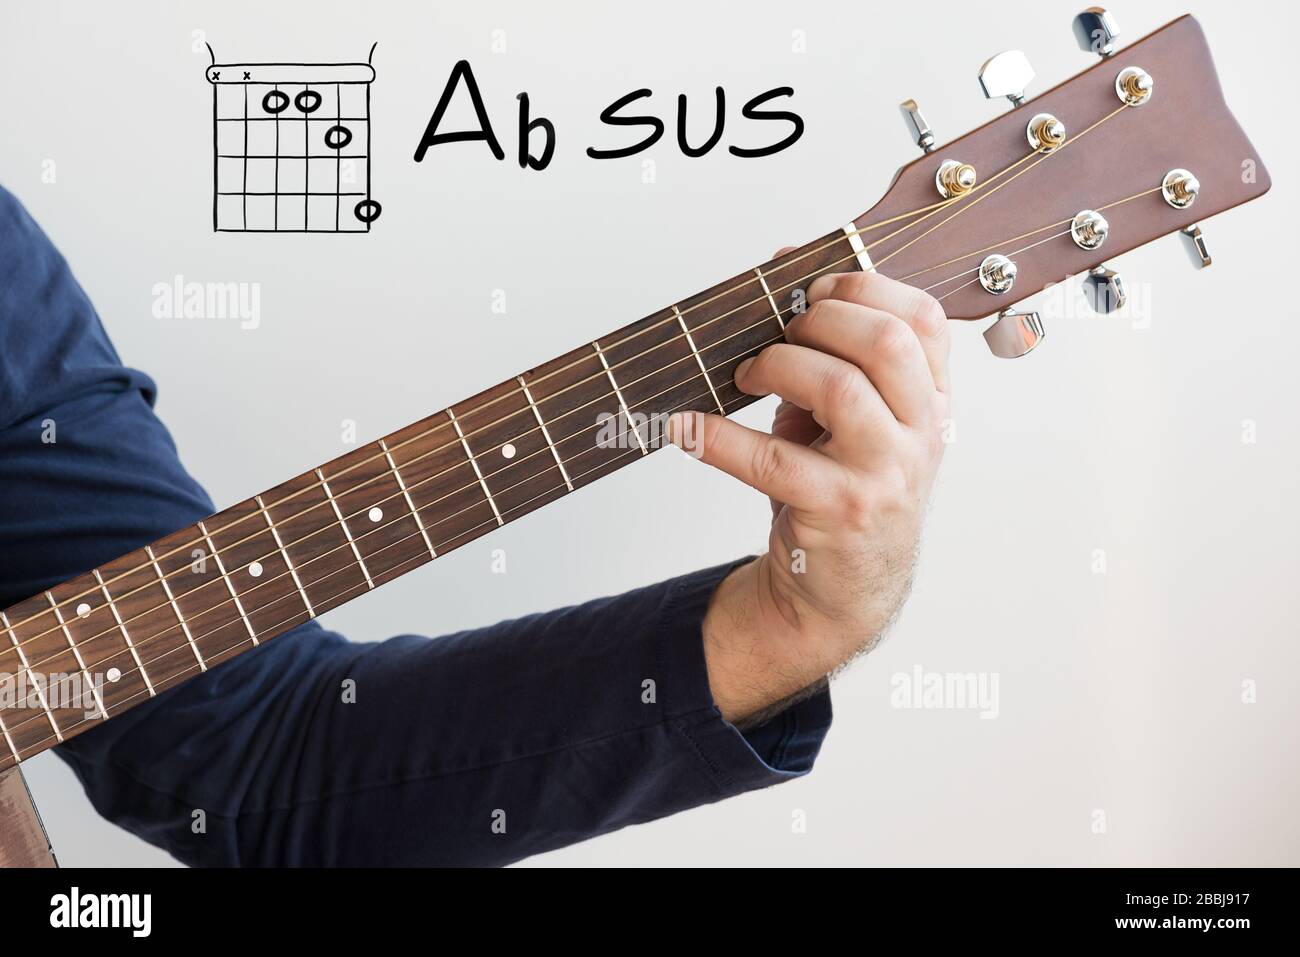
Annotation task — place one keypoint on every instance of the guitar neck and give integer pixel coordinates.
(99, 644)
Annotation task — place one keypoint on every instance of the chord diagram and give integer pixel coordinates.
(291, 147)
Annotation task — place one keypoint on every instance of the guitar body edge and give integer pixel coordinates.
(23, 841)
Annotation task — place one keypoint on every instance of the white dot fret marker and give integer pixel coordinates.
(375, 514)
(255, 569)
(508, 450)
(83, 610)
(114, 675)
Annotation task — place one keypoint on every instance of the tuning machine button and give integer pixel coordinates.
(1096, 30)
(1089, 229)
(1006, 74)
(997, 274)
(954, 178)
(1180, 188)
(1104, 289)
(916, 124)
(1013, 334)
(1194, 240)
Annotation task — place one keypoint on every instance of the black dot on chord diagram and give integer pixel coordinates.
(308, 101)
(367, 210)
(275, 102)
(337, 137)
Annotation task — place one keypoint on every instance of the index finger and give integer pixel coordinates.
(918, 309)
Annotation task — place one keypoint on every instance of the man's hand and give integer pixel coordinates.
(848, 467)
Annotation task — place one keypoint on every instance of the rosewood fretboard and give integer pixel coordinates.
(188, 602)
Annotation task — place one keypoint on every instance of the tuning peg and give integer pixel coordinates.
(1014, 334)
(916, 124)
(1006, 74)
(1104, 289)
(1096, 30)
(1195, 243)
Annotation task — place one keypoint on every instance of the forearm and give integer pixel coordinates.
(481, 747)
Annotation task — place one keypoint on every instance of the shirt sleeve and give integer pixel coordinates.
(480, 747)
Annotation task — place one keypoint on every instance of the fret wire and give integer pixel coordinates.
(288, 562)
(40, 693)
(9, 740)
(622, 404)
(76, 653)
(346, 531)
(230, 586)
(545, 434)
(696, 352)
(401, 484)
(167, 590)
(112, 607)
(5, 729)
(772, 302)
(474, 462)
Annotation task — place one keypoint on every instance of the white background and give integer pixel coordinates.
(1119, 692)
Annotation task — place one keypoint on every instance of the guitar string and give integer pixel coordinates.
(927, 210)
(985, 195)
(453, 515)
(41, 743)
(1032, 232)
(434, 451)
(1012, 254)
(400, 494)
(679, 338)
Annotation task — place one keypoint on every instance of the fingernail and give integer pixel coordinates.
(821, 287)
(743, 369)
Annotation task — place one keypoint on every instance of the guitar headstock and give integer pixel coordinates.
(1140, 145)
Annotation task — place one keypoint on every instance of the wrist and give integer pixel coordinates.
(752, 663)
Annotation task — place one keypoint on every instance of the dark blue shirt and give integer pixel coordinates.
(538, 726)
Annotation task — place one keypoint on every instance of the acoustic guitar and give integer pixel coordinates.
(1138, 146)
